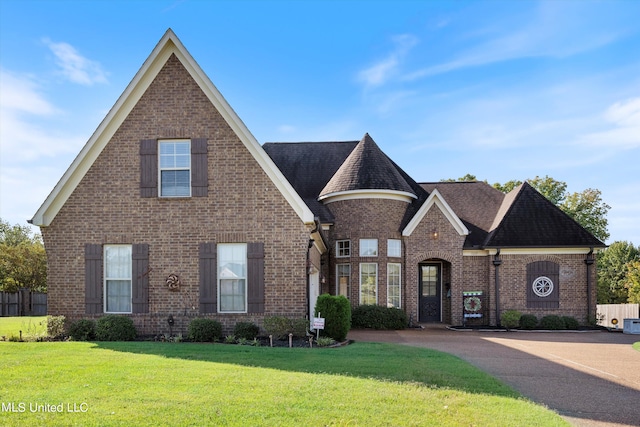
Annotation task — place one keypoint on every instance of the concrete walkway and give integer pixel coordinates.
(590, 378)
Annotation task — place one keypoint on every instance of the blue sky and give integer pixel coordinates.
(499, 89)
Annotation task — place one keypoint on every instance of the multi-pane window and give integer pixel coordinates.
(175, 168)
(368, 247)
(117, 278)
(394, 248)
(232, 277)
(343, 279)
(368, 283)
(393, 285)
(343, 248)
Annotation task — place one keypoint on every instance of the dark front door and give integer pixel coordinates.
(430, 298)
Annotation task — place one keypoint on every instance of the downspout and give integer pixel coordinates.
(496, 263)
(589, 260)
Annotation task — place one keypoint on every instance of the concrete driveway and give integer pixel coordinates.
(589, 378)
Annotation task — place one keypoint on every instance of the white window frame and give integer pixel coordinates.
(367, 245)
(394, 248)
(343, 248)
(360, 301)
(399, 285)
(107, 279)
(175, 168)
(339, 275)
(220, 278)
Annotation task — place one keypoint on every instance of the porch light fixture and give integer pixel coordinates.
(434, 234)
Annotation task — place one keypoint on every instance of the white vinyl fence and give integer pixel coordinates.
(608, 312)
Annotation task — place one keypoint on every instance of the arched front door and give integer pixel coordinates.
(430, 302)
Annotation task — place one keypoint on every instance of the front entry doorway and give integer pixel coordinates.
(430, 305)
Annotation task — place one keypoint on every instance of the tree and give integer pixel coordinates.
(23, 262)
(467, 178)
(613, 266)
(632, 282)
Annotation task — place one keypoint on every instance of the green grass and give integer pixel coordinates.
(11, 326)
(149, 383)
(637, 345)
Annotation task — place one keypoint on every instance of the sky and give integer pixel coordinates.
(503, 90)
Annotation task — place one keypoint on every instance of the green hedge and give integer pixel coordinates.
(378, 317)
(115, 328)
(336, 311)
(204, 330)
(82, 330)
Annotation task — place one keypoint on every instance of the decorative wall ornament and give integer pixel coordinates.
(542, 286)
(173, 282)
(472, 304)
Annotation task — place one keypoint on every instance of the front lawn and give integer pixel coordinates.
(33, 326)
(153, 383)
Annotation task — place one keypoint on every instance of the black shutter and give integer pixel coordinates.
(93, 279)
(255, 279)
(552, 271)
(148, 168)
(208, 285)
(199, 168)
(140, 278)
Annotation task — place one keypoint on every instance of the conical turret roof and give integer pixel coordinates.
(367, 168)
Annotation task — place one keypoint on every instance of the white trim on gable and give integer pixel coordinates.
(169, 44)
(435, 198)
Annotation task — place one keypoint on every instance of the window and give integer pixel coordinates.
(394, 248)
(232, 277)
(175, 168)
(368, 247)
(343, 279)
(393, 285)
(343, 248)
(368, 283)
(117, 278)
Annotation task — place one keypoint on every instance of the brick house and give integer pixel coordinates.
(174, 208)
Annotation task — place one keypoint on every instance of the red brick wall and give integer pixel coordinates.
(243, 205)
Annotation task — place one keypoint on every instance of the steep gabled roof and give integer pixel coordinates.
(308, 166)
(527, 219)
(436, 199)
(476, 203)
(168, 45)
(367, 169)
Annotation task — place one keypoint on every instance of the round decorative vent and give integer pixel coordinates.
(542, 286)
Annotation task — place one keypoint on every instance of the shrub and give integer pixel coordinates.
(325, 341)
(570, 322)
(115, 328)
(204, 330)
(528, 321)
(552, 322)
(246, 330)
(378, 317)
(280, 327)
(336, 311)
(82, 330)
(510, 319)
(55, 326)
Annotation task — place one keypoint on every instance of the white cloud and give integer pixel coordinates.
(379, 73)
(76, 67)
(25, 114)
(623, 127)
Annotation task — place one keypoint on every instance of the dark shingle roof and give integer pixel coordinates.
(308, 166)
(476, 203)
(367, 168)
(527, 219)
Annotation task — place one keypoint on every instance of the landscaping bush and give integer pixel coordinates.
(246, 330)
(528, 321)
(55, 326)
(82, 330)
(552, 322)
(570, 322)
(510, 319)
(378, 317)
(280, 327)
(336, 311)
(115, 328)
(204, 330)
